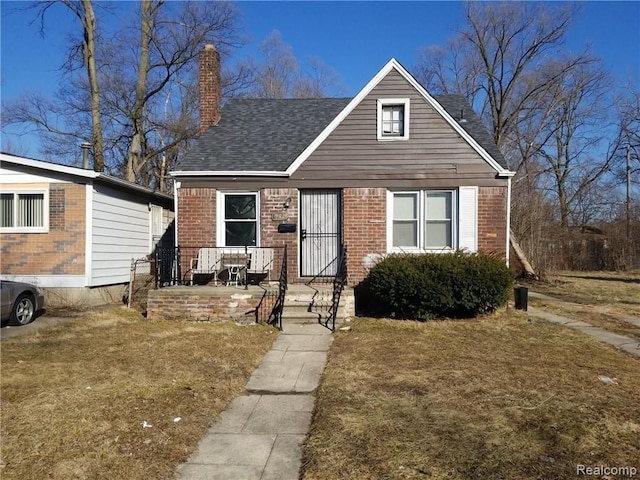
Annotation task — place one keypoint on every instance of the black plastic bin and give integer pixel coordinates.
(521, 295)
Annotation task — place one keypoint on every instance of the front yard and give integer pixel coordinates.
(499, 397)
(115, 396)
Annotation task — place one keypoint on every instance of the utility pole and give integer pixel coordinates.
(629, 192)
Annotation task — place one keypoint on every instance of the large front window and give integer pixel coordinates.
(422, 220)
(23, 211)
(240, 219)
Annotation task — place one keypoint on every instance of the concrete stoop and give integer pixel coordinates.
(302, 308)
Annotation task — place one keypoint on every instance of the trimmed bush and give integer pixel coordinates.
(428, 286)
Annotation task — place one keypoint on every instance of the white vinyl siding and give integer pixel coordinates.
(24, 211)
(120, 232)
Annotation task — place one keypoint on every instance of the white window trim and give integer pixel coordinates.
(45, 206)
(405, 102)
(422, 220)
(220, 220)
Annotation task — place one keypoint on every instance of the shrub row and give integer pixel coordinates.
(427, 286)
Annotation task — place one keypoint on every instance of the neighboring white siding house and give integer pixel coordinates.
(64, 226)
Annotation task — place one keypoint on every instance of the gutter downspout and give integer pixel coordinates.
(176, 185)
(508, 219)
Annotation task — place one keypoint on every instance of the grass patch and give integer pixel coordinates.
(75, 396)
(617, 291)
(496, 397)
(589, 314)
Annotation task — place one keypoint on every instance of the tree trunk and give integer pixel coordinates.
(89, 51)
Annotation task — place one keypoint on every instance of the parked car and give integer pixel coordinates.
(20, 302)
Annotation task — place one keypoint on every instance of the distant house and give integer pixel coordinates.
(393, 169)
(73, 228)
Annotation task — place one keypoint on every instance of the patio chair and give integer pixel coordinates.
(261, 262)
(208, 262)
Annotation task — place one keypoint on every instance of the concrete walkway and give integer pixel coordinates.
(259, 435)
(627, 344)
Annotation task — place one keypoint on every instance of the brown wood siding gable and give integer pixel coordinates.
(352, 151)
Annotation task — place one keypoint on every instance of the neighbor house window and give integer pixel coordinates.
(23, 211)
(239, 225)
(393, 119)
(422, 220)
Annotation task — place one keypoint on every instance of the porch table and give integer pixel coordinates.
(235, 269)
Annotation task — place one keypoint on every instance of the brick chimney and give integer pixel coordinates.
(209, 86)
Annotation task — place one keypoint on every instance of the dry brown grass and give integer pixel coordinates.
(75, 396)
(589, 314)
(617, 291)
(494, 398)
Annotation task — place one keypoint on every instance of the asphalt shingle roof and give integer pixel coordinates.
(269, 134)
(261, 134)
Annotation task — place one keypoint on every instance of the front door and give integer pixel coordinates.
(320, 232)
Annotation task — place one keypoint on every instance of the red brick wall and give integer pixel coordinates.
(272, 214)
(196, 217)
(365, 227)
(202, 304)
(209, 87)
(57, 252)
(364, 215)
(492, 220)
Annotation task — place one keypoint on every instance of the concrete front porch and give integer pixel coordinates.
(237, 304)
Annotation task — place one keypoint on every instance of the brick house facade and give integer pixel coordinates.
(73, 228)
(390, 170)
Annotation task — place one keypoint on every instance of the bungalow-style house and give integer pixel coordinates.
(76, 229)
(393, 169)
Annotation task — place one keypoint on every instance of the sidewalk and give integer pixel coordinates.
(622, 342)
(259, 435)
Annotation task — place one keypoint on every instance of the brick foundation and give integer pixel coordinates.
(202, 304)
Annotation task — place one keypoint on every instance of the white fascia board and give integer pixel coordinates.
(52, 167)
(456, 126)
(88, 233)
(341, 116)
(228, 173)
(394, 64)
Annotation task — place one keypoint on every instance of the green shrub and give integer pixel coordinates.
(427, 286)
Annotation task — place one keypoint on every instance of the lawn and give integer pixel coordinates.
(617, 291)
(114, 396)
(496, 397)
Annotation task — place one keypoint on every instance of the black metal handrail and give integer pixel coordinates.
(275, 317)
(338, 282)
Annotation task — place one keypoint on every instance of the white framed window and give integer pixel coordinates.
(238, 219)
(393, 119)
(24, 211)
(421, 220)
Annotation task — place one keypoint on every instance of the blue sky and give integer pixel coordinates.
(355, 38)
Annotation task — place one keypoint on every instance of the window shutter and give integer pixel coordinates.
(468, 218)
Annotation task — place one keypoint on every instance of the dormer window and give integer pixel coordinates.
(393, 119)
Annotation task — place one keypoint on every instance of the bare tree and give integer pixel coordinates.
(34, 109)
(278, 75)
(495, 60)
(147, 97)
